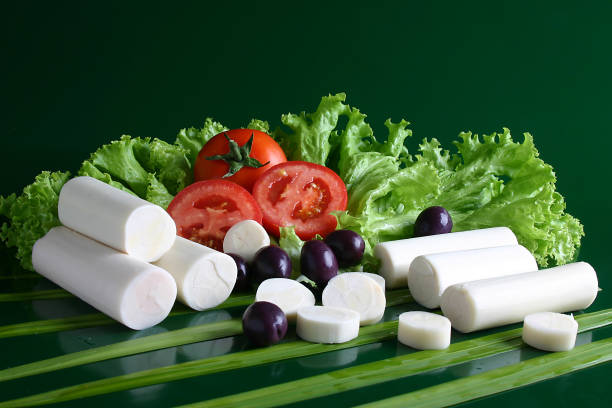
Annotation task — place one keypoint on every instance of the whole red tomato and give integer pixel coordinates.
(264, 150)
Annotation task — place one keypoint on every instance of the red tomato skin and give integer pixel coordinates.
(217, 205)
(306, 229)
(264, 149)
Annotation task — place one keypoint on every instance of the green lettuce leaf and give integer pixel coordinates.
(157, 193)
(490, 180)
(527, 203)
(488, 183)
(357, 137)
(169, 164)
(318, 138)
(192, 140)
(148, 168)
(88, 169)
(151, 169)
(260, 125)
(292, 244)
(118, 160)
(32, 214)
(309, 134)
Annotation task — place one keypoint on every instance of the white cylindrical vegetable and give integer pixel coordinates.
(245, 238)
(323, 324)
(424, 330)
(116, 218)
(129, 290)
(431, 274)
(550, 331)
(396, 256)
(287, 294)
(204, 277)
(494, 302)
(357, 292)
(377, 278)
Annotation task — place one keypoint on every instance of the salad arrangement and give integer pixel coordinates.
(222, 187)
(490, 181)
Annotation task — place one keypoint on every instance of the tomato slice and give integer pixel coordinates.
(301, 194)
(204, 211)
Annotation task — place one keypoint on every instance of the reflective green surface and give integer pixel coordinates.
(75, 76)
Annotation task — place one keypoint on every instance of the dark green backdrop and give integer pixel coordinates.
(75, 76)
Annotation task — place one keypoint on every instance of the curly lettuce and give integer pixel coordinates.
(292, 244)
(148, 168)
(261, 125)
(151, 169)
(32, 214)
(192, 140)
(490, 181)
(310, 133)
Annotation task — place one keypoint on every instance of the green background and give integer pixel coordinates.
(75, 76)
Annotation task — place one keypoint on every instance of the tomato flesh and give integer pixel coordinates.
(301, 194)
(314, 200)
(204, 211)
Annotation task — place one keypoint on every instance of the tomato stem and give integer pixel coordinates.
(238, 156)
